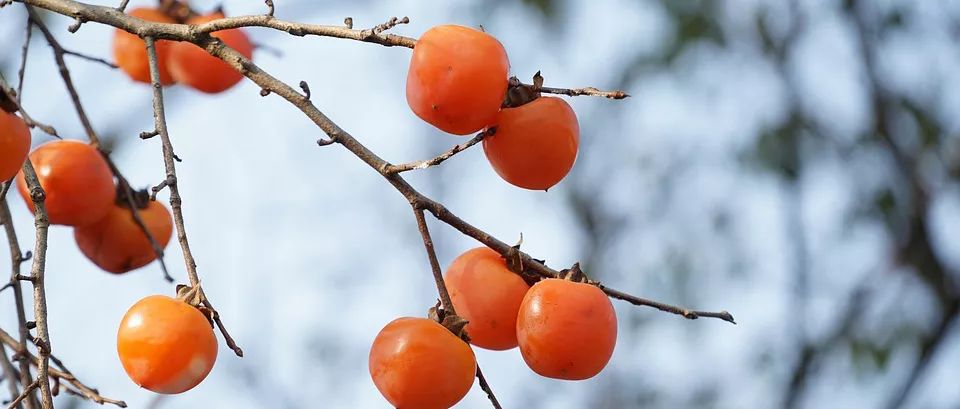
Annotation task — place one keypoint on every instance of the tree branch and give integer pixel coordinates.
(62, 373)
(160, 123)
(423, 164)
(37, 278)
(16, 260)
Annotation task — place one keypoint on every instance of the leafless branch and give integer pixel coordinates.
(9, 373)
(160, 123)
(423, 164)
(62, 373)
(17, 258)
(37, 279)
(23, 60)
(58, 53)
(26, 394)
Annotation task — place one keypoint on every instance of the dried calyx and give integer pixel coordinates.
(6, 103)
(139, 198)
(574, 274)
(194, 297)
(452, 322)
(519, 93)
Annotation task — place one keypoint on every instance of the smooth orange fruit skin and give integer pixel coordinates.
(116, 244)
(130, 52)
(14, 144)
(193, 66)
(416, 363)
(457, 78)
(166, 345)
(488, 295)
(566, 330)
(535, 145)
(77, 181)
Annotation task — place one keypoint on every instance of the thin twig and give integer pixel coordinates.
(445, 301)
(11, 95)
(16, 260)
(423, 164)
(58, 53)
(23, 60)
(90, 58)
(160, 123)
(62, 373)
(9, 373)
(37, 277)
(26, 394)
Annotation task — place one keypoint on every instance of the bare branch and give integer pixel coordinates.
(62, 373)
(23, 60)
(160, 123)
(26, 394)
(9, 373)
(423, 164)
(90, 58)
(37, 278)
(17, 258)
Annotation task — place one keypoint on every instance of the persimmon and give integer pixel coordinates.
(457, 78)
(566, 329)
(116, 243)
(534, 145)
(76, 179)
(488, 295)
(14, 144)
(191, 65)
(416, 363)
(166, 345)
(130, 52)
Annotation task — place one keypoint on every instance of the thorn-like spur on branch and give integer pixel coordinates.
(306, 90)
(61, 375)
(148, 134)
(393, 22)
(270, 7)
(122, 6)
(423, 164)
(573, 92)
(176, 202)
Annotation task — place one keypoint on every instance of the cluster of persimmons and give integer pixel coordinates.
(565, 327)
(458, 81)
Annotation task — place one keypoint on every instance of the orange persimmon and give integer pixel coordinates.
(457, 78)
(116, 244)
(535, 144)
(416, 363)
(488, 295)
(76, 179)
(193, 66)
(14, 144)
(166, 345)
(566, 329)
(130, 52)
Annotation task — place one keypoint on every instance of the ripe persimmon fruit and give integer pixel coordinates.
(76, 179)
(191, 65)
(166, 345)
(116, 243)
(488, 295)
(416, 363)
(566, 329)
(534, 145)
(130, 52)
(14, 144)
(457, 78)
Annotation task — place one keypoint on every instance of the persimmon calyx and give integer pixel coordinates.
(7, 104)
(519, 93)
(574, 274)
(452, 322)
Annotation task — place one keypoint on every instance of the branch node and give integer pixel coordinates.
(270, 8)
(264, 92)
(148, 134)
(77, 21)
(348, 22)
(306, 90)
